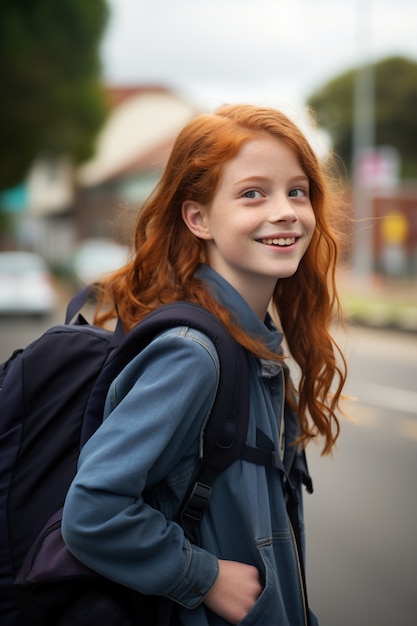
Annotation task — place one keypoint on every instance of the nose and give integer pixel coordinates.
(282, 210)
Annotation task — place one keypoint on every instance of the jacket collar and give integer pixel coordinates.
(230, 298)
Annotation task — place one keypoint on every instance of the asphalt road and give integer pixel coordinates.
(362, 518)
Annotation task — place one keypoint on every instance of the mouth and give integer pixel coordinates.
(281, 242)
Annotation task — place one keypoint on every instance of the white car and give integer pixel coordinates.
(26, 285)
(97, 257)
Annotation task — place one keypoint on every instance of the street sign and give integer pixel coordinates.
(377, 167)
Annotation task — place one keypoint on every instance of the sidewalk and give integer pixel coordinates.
(379, 302)
(376, 302)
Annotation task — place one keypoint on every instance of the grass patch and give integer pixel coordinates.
(388, 310)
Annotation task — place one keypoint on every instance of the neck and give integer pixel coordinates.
(257, 293)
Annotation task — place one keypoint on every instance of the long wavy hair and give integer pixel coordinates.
(166, 256)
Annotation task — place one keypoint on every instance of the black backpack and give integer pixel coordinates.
(51, 401)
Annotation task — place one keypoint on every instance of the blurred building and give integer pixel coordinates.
(395, 231)
(58, 205)
(384, 208)
(132, 150)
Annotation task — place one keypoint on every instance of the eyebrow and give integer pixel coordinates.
(299, 178)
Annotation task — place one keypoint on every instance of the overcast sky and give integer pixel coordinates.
(272, 52)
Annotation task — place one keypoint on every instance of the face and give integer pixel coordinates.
(260, 221)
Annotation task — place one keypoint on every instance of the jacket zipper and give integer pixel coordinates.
(282, 421)
(294, 542)
(300, 577)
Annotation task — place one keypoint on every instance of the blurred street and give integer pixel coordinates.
(362, 518)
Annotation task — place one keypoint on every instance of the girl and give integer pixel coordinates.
(240, 224)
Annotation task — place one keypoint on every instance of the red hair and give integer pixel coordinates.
(167, 256)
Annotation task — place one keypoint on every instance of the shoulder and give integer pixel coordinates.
(186, 338)
(180, 356)
(185, 343)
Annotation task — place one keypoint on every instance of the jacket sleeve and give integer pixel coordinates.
(157, 406)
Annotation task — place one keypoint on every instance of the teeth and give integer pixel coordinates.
(281, 241)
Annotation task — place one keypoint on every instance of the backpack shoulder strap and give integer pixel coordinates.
(226, 429)
(225, 432)
(232, 397)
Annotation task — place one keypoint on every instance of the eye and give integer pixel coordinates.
(252, 193)
(297, 193)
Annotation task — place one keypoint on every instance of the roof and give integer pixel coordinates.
(140, 122)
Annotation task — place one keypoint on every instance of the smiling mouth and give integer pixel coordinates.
(278, 241)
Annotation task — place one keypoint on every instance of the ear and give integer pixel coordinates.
(194, 216)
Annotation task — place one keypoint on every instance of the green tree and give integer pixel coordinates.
(52, 100)
(395, 108)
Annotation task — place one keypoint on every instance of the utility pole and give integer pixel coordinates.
(363, 140)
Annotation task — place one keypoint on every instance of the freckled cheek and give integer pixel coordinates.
(235, 229)
(231, 243)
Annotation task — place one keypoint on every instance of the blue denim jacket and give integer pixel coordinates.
(136, 468)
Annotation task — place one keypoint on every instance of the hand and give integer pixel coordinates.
(235, 591)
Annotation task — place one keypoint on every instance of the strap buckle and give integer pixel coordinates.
(198, 502)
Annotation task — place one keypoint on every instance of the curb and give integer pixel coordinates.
(381, 325)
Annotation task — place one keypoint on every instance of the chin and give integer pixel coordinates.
(287, 274)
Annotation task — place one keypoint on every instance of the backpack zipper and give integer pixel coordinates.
(41, 538)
